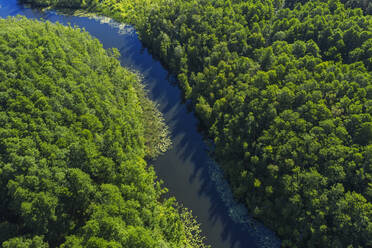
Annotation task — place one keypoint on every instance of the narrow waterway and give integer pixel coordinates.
(186, 169)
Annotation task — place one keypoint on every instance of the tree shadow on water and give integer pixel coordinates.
(185, 168)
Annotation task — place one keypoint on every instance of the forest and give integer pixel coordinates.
(75, 130)
(284, 90)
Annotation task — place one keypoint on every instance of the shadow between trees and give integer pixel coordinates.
(185, 167)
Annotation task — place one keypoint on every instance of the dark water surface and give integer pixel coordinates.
(186, 168)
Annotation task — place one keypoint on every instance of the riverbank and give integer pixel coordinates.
(285, 102)
(73, 170)
(184, 168)
(237, 211)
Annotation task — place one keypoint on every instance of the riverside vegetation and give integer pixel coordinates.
(75, 128)
(284, 89)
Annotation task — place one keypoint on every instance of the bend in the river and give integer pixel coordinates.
(186, 169)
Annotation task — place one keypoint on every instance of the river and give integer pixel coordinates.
(186, 169)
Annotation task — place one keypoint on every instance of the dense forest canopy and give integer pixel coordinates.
(365, 5)
(73, 130)
(284, 89)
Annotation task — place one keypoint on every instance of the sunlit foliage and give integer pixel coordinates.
(72, 147)
(286, 96)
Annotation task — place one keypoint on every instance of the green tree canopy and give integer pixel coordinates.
(73, 138)
(284, 89)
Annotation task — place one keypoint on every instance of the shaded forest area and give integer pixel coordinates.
(73, 138)
(284, 89)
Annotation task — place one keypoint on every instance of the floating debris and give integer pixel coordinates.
(123, 28)
(238, 212)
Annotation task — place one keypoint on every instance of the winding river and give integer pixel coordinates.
(186, 169)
